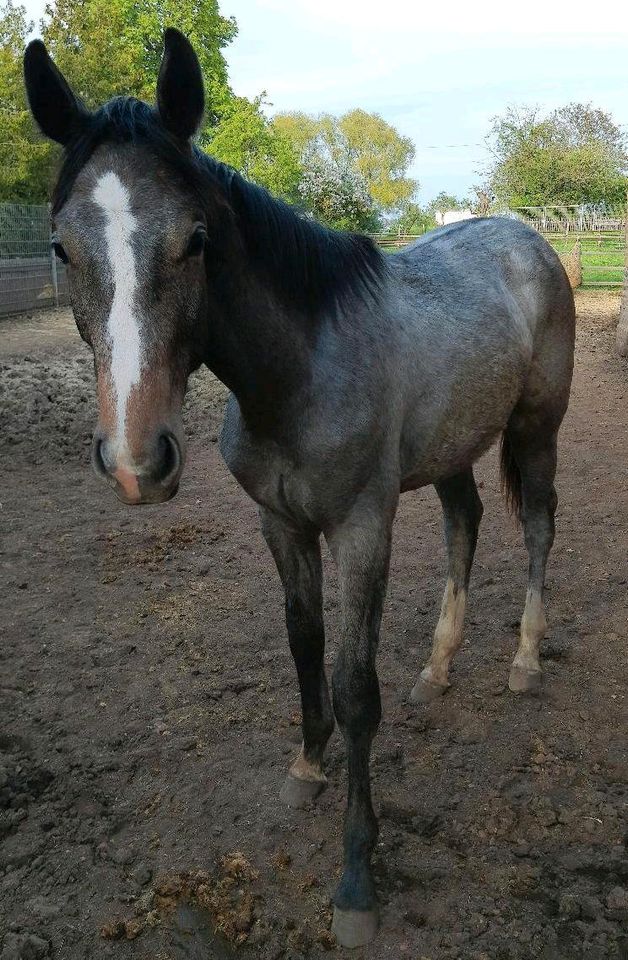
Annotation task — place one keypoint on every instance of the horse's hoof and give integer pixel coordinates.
(355, 928)
(525, 681)
(298, 793)
(424, 691)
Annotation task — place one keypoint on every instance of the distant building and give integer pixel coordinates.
(443, 217)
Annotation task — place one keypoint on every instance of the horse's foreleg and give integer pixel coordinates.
(298, 560)
(462, 511)
(536, 460)
(361, 548)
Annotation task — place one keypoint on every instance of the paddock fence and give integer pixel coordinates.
(30, 275)
(574, 218)
(595, 234)
(598, 231)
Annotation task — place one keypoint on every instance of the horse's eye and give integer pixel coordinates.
(196, 243)
(60, 252)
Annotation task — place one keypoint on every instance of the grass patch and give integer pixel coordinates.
(602, 257)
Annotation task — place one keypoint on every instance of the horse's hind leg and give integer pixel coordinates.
(298, 558)
(535, 457)
(462, 511)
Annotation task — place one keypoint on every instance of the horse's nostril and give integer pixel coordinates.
(97, 457)
(169, 458)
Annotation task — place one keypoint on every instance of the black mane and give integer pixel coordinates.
(309, 266)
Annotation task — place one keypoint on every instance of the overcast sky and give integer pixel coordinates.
(437, 74)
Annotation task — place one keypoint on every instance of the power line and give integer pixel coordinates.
(449, 146)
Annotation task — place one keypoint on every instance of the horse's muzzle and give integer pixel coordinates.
(154, 481)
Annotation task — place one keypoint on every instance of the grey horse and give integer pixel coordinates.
(353, 377)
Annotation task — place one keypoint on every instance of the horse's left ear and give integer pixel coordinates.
(180, 94)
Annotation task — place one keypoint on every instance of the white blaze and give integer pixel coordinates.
(124, 333)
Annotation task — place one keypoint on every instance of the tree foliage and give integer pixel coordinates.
(111, 47)
(446, 201)
(24, 158)
(381, 155)
(248, 141)
(413, 220)
(343, 170)
(107, 48)
(575, 155)
(339, 198)
(356, 144)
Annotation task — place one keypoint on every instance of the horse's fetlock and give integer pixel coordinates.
(316, 734)
(356, 890)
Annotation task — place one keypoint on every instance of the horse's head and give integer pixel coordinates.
(130, 224)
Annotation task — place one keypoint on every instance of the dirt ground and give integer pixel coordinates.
(149, 708)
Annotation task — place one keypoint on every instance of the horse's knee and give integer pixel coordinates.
(356, 698)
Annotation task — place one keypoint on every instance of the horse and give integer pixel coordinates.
(353, 377)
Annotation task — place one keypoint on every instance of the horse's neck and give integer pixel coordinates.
(287, 277)
(259, 349)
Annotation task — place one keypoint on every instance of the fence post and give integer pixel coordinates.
(53, 263)
(622, 326)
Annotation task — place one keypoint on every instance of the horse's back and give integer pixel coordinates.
(486, 259)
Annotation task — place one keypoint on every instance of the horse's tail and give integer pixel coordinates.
(510, 477)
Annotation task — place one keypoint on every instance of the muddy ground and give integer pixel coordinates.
(149, 706)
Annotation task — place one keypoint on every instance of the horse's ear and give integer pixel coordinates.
(180, 94)
(57, 111)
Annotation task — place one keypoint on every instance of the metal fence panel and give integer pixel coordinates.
(29, 278)
(601, 254)
(574, 218)
(26, 283)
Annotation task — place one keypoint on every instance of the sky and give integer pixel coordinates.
(437, 71)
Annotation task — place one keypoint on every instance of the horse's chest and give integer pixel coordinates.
(265, 473)
(311, 481)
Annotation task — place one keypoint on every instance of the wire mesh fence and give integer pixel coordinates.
(594, 232)
(30, 275)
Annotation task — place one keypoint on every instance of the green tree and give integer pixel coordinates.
(382, 155)
(414, 219)
(357, 142)
(339, 198)
(24, 157)
(446, 201)
(111, 47)
(574, 155)
(300, 129)
(248, 141)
